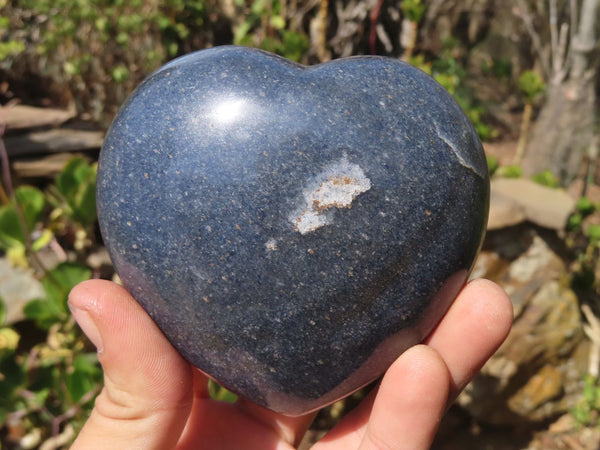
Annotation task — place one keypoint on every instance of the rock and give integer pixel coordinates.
(536, 373)
(47, 166)
(17, 287)
(53, 141)
(566, 433)
(514, 200)
(504, 211)
(20, 117)
(292, 230)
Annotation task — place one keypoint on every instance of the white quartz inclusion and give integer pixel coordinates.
(335, 187)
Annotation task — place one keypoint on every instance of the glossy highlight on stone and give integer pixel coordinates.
(292, 230)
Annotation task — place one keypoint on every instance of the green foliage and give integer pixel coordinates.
(583, 208)
(90, 45)
(449, 71)
(592, 232)
(24, 211)
(220, 393)
(49, 373)
(546, 178)
(413, 10)
(511, 171)
(583, 239)
(75, 191)
(264, 26)
(8, 47)
(530, 85)
(587, 409)
(500, 68)
(493, 164)
(54, 379)
(57, 284)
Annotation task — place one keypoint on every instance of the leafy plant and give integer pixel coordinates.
(57, 284)
(511, 171)
(587, 409)
(8, 47)
(47, 387)
(414, 10)
(218, 392)
(17, 220)
(49, 371)
(264, 26)
(100, 49)
(530, 85)
(74, 192)
(493, 164)
(546, 178)
(583, 239)
(451, 74)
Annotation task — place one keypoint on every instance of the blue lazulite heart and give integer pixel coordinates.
(292, 229)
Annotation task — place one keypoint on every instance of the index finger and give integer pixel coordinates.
(472, 330)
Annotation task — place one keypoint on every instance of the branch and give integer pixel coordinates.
(593, 333)
(535, 37)
(585, 39)
(556, 63)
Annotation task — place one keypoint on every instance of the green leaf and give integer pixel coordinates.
(530, 85)
(87, 363)
(13, 377)
(43, 240)
(277, 22)
(9, 339)
(120, 74)
(593, 233)
(218, 392)
(3, 311)
(241, 32)
(59, 281)
(57, 284)
(585, 206)
(546, 178)
(86, 374)
(44, 312)
(493, 164)
(575, 221)
(77, 184)
(32, 202)
(510, 171)
(10, 228)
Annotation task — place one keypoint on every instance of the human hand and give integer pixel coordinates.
(153, 399)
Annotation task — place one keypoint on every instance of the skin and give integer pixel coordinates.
(153, 399)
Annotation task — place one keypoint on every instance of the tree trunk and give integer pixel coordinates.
(564, 129)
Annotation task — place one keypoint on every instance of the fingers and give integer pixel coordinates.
(240, 425)
(410, 403)
(412, 389)
(290, 429)
(147, 391)
(404, 412)
(475, 326)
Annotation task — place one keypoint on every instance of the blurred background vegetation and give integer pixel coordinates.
(525, 72)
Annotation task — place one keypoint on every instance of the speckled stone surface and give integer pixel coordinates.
(292, 230)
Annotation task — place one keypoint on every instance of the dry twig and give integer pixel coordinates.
(592, 330)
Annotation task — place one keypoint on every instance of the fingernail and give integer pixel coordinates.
(87, 325)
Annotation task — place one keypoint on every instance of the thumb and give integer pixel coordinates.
(147, 392)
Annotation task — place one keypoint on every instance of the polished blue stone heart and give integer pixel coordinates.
(292, 229)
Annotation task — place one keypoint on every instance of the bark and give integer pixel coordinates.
(564, 129)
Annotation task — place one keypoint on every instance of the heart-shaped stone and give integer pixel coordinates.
(292, 229)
